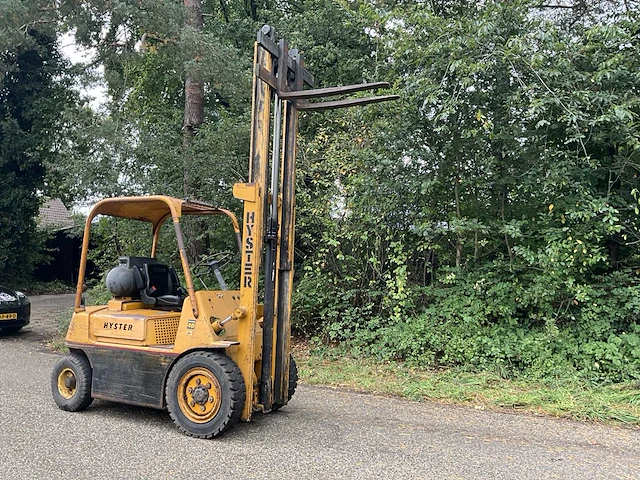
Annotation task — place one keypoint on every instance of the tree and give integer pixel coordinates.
(499, 201)
(175, 123)
(33, 94)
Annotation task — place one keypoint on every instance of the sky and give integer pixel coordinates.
(97, 93)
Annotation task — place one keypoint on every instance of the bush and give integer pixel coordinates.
(54, 287)
(514, 323)
(482, 323)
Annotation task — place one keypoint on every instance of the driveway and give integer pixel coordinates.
(322, 434)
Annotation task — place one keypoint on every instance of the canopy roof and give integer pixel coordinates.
(152, 209)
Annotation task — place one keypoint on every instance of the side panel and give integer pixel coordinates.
(129, 376)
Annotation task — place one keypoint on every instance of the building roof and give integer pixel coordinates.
(54, 215)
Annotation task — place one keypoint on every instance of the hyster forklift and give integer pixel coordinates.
(210, 357)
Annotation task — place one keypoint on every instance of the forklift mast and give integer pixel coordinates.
(279, 81)
(155, 344)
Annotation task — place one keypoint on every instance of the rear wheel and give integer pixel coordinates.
(293, 382)
(11, 330)
(205, 393)
(71, 382)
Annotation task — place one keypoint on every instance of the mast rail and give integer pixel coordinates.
(266, 41)
(288, 83)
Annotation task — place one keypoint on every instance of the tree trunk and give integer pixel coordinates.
(193, 97)
(504, 194)
(193, 119)
(460, 241)
(503, 217)
(476, 248)
(254, 10)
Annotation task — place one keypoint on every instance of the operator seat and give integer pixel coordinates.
(159, 286)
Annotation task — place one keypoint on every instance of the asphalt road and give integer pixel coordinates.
(322, 434)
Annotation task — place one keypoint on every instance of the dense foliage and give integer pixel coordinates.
(488, 220)
(492, 222)
(34, 93)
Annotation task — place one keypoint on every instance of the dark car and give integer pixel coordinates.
(15, 310)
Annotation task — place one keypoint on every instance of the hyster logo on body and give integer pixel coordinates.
(248, 249)
(117, 326)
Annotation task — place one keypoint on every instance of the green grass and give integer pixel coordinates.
(62, 321)
(47, 288)
(34, 287)
(570, 398)
(94, 296)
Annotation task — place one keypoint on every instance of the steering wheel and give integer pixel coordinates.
(208, 264)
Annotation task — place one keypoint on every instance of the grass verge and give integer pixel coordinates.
(570, 398)
(63, 319)
(47, 288)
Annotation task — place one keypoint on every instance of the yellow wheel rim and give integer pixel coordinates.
(199, 396)
(67, 383)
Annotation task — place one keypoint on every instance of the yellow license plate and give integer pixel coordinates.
(8, 316)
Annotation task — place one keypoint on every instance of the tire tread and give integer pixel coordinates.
(82, 369)
(236, 387)
(293, 382)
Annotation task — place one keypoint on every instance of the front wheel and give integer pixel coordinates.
(293, 382)
(11, 330)
(205, 393)
(71, 382)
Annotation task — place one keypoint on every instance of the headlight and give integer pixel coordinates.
(22, 298)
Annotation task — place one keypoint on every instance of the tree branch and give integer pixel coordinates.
(568, 7)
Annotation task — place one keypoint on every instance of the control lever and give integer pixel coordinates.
(214, 265)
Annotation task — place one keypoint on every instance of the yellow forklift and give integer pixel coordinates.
(210, 357)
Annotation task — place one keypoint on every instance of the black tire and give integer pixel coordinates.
(11, 330)
(205, 393)
(293, 382)
(71, 382)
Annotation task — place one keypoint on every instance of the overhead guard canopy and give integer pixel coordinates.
(154, 208)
